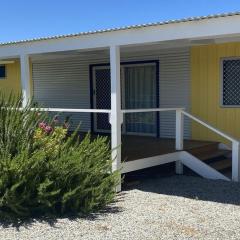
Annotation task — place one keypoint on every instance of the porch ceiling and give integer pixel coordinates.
(151, 48)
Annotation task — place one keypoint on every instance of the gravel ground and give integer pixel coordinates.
(177, 207)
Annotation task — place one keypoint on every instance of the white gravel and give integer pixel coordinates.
(177, 207)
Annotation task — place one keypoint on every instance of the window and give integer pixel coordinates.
(2, 71)
(231, 82)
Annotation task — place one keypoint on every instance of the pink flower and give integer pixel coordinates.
(48, 129)
(42, 125)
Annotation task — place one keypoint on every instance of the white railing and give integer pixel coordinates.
(179, 137)
(150, 110)
(179, 128)
(228, 137)
(179, 121)
(73, 110)
(234, 141)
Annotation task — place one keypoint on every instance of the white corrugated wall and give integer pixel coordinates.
(65, 83)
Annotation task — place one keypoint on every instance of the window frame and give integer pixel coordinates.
(222, 105)
(5, 77)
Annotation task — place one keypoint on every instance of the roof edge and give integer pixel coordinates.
(182, 20)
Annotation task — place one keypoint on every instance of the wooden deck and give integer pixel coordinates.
(139, 147)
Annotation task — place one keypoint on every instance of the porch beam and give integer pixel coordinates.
(116, 114)
(25, 79)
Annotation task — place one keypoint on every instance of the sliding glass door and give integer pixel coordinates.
(139, 90)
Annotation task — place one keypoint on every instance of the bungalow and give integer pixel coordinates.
(163, 92)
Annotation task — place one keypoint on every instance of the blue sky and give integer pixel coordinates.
(28, 18)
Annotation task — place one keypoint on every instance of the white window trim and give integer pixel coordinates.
(221, 82)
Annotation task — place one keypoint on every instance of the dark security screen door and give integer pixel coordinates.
(102, 98)
(138, 82)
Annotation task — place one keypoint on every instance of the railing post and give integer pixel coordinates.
(235, 161)
(179, 139)
(25, 79)
(116, 114)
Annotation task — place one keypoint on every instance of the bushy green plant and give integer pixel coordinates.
(17, 126)
(77, 181)
(74, 178)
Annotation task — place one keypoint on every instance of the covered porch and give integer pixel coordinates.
(99, 88)
(149, 128)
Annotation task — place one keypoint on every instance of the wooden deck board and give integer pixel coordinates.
(139, 147)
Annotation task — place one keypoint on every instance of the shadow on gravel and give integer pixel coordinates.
(162, 180)
(52, 220)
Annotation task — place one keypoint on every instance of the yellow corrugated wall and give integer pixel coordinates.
(205, 94)
(12, 82)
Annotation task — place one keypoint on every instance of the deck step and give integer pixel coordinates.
(221, 165)
(212, 154)
(219, 159)
(204, 148)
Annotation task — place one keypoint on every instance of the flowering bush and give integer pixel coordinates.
(44, 171)
(49, 137)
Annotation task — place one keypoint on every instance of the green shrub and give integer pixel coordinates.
(49, 173)
(17, 128)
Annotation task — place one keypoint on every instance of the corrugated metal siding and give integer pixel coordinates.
(206, 84)
(12, 82)
(174, 85)
(65, 83)
(174, 89)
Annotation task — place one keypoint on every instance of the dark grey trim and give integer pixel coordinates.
(221, 82)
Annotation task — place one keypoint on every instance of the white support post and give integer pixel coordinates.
(179, 139)
(235, 161)
(25, 78)
(116, 117)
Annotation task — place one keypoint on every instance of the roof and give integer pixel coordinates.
(190, 19)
